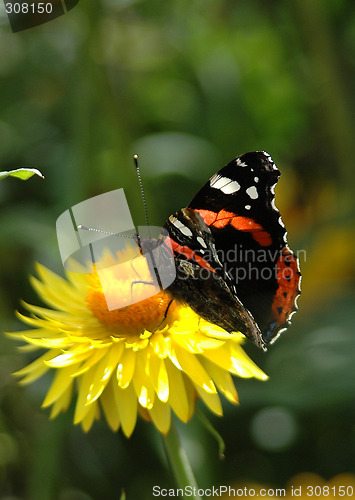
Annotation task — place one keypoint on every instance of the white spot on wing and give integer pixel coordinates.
(201, 241)
(290, 315)
(268, 157)
(181, 227)
(300, 280)
(219, 182)
(213, 179)
(256, 179)
(281, 222)
(296, 298)
(224, 184)
(278, 335)
(231, 188)
(241, 163)
(247, 207)
(252, 192)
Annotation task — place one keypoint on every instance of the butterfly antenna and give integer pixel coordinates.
(85, 228)
(135, 158)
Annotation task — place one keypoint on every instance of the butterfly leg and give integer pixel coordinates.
(141, 282)
(165, 315)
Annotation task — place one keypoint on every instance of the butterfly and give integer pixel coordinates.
(233, 265)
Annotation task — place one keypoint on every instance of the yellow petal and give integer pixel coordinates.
(41, 326)
(161, 344)
(55, 287)
(244, 366)
(177, 397)
(231, 357)
(161, 416)
(81, 408)
(158, 375)
(62, 403)
(68, 358)
(103, 371)
(62, 381)
(195, 342)
(191, 394)
(79, 279)
(217, 332)
(125, 368)
(53, 280)
(212, 401)
(41, 315)
(127, 408)
(142, 383)
(51, 343)
(193, 368)
(48, 295)
(88, 420)
(222, 379)
(109, 405)
(94, 354)
(36, 369)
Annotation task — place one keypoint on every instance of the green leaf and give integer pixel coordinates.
(21, 173)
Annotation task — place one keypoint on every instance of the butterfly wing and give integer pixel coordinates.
(238, 206)
(200, 280)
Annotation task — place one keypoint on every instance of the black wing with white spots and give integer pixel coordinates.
(234, 266)
(238, 205)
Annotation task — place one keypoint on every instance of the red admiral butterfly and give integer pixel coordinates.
(233, 265)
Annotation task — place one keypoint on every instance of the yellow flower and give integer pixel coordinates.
(144, 358)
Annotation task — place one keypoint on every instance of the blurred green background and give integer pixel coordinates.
(187, 85)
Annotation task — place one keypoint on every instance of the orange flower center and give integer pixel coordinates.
(125, 304)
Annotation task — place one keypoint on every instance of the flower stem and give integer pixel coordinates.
(179, 462)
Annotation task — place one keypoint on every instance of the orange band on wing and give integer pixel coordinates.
(191, 255)
(223, 218)
(288, 279)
